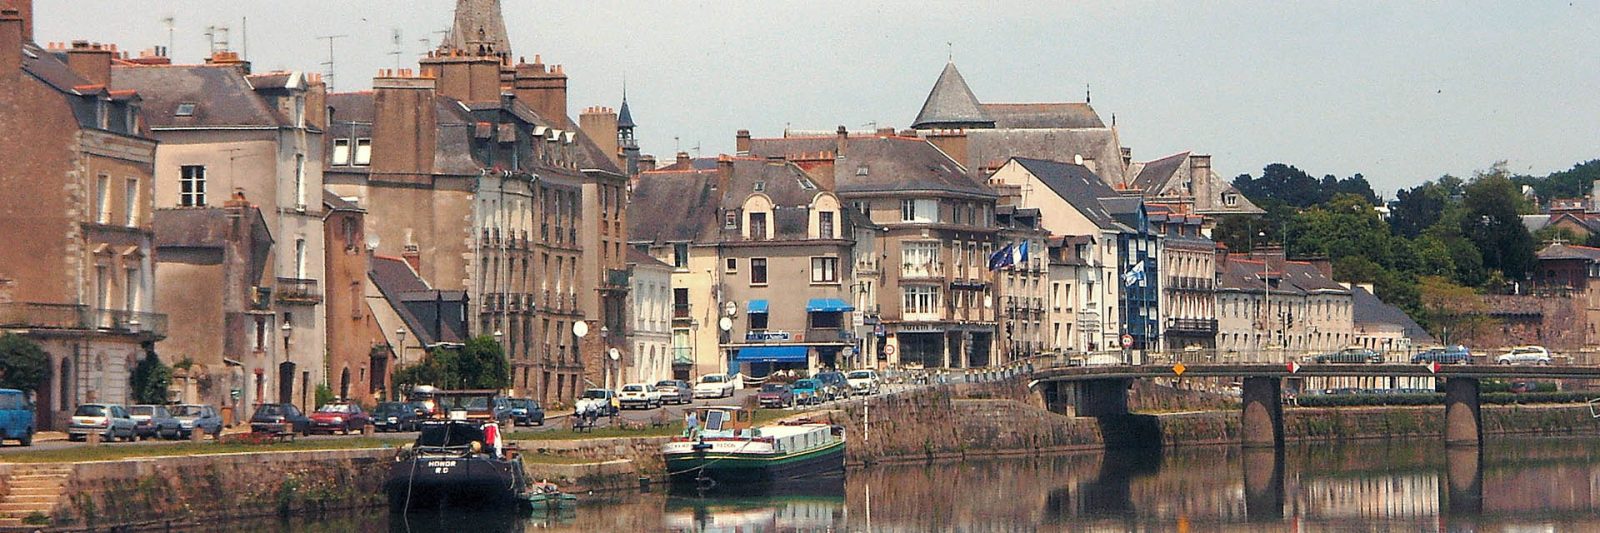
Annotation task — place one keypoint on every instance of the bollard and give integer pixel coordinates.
(197, 434)
(93, 438)
(366, 430)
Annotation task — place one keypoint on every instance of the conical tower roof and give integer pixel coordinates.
(951, 104)
(479, 29)
(624, 117)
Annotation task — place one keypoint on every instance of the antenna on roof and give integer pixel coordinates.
(1085, 93)
(394, 38)
(327, 78)
(172, 24)
(217, 36)
(950, 51)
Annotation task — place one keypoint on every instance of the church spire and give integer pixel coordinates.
(951, 104)
(479, 29)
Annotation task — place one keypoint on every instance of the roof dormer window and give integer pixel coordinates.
(761, 186)
(185, 109)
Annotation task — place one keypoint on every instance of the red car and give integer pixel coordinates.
(339, 416)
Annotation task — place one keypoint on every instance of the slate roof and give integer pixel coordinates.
(452, 144)
(1569, 251)
(636, 257)
(791, 190)
(1043, 115)
(901, 164)
(335, 203)
(674, 206)
(793, 146)
(624, 116)
(1155, 174)
(1368, 309)
(988, 149)
(221, 95)
(1077, 186)
(951, 104)
(399, 284)
(1308, 278)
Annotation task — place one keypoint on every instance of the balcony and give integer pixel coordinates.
(1192, 326)
(680, 311)
(81, 317)
(921, 271)
(1190, 283)
(298, 291)
(618, 279)
(260, 298)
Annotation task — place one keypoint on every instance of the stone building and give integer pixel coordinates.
(1271, 310)
(221, 257)
(1573, 271)
(937, 296)
(223, 130)
(471, 171)
(76, 223)
(1024, 287)
(1188, 283)
(360, 359)
(1385, 328)
(1074, 310)
(674, 219)
(650, 314)
(1186, 182)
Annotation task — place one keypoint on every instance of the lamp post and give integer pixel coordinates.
(605, 362)
(401, 333)
(286, 369)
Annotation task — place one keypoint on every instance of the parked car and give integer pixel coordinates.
(863, 381)
(150, 421)
(713, 386)
(1531, 386)
(675, 391)
(602, 402)
(834, 384)
(397, 416)
(776, 395)
(641, 395)
(197, 417)
(339, 416)
(111, 421)
(16, 417)
(526, 412)
(1525, 355)
(1451, 355)
(1351, 355)
(807, 392)
(280, 419)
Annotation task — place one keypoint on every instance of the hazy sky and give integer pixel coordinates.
(1398, 91)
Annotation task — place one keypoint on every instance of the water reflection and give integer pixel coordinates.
(1413, 485)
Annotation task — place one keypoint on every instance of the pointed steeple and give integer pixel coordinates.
(624, 117)
(951, 104)
(479, 29)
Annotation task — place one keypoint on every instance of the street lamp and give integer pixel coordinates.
(288, 330)
(401, 332)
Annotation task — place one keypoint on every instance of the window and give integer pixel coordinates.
(363, 152)
(761, 186)
(758, 321)
(102, 199)
(130, 287)
(300, 258)
(921, 300)
(299, 112)
(1230, 199)
(824, 270)
(920, 259)
(758, 226)
(341, 151)
(300, 181)
(680, 255)
(730, 220)
(919, 210)
(192, 186)
(130, 200)
(758, 271)
(825, 225)
(833, 320)
(732, 266)
(185, 109)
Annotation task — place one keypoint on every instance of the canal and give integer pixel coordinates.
(1513, 484)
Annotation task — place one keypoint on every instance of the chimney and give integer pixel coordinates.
(544, 90)
(724, 172)
(404, 129)
(316, 101)
(952, 142)
(25, 10)
(600, 124)
(1323, 265)
(1127, 157)
(683, 160)
(468, 78)
(92, 61)
(1200, 177)
(11, 38)
(1221, 251)
(1272, 254)
(844, 138)
(412, 255)
(647, 162)
(741, 143)
(227, 58)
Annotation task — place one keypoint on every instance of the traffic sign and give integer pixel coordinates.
(1127, 340)
(1179, 368)
(1294, 367)
(1433, 367)
(888, 349)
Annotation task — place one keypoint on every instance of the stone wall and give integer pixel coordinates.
(935, 424)
(610, 463)
(1425, 422)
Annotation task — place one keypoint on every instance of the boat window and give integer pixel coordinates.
(449, 435)
(714, 420)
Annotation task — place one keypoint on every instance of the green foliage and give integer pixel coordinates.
(151, 379)
(23, 364)
(1492, 220)
(1571, 183)
(480, 364)
(1296, 188)
(1454, 313)
(324, 394)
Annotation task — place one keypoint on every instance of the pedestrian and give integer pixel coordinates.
(691, 424)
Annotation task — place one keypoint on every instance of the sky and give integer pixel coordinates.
(1400, 92)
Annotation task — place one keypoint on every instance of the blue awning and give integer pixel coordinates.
(756, 306)
(827, 305)
(772, 354)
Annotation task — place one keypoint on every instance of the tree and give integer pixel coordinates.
(1492, 220)
(23, 364)
(483, 364)
(151, 379)
(1454, 313)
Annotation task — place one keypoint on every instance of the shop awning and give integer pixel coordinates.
(827, 305)
(756, 306)
(772, 354)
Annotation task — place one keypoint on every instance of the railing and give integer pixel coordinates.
(680, 311)
(927, 270)
(618, 278)
(68, 316)
(294, 290)
(683, 355)
(1192, 325)
(260, 298)
(1190, 283)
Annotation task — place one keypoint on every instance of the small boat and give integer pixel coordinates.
(546, 497)
(720, 447)
(456, 464)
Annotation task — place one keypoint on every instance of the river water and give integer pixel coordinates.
(1512, 484)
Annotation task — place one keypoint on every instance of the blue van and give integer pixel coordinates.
(16, 417)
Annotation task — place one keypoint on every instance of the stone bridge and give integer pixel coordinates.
(1102, 391)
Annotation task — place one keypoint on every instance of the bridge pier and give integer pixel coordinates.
(1263, 483)
(1262, 423)
(1103, 397)
(1463, 423)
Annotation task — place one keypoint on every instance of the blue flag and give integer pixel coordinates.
(1001, 258)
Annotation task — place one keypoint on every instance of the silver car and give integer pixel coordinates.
(675, 391)
(196, 417)
(111, 421)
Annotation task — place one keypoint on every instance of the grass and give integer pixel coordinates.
(546, 459)
(113, 452)
(563, 430)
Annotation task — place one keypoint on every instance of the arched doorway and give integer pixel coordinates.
(344, 384)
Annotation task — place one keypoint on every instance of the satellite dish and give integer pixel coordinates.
(1077, 159)
(614, 353)
(372, 241)
(580, 329)
(730, 309)
(726, 324)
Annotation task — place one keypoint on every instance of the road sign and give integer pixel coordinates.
(888, 349)
(1127, 340)
(1294, 367)
(1178, 369)
(1433, 367)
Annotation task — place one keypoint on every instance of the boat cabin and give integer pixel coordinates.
(723, 421)
(480, 405)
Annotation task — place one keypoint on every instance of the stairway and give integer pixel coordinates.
(34, 489)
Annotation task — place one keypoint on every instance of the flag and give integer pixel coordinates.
(1001, 258)
(1135, 275)
(1019, 254)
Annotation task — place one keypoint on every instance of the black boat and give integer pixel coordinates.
(456, 464)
